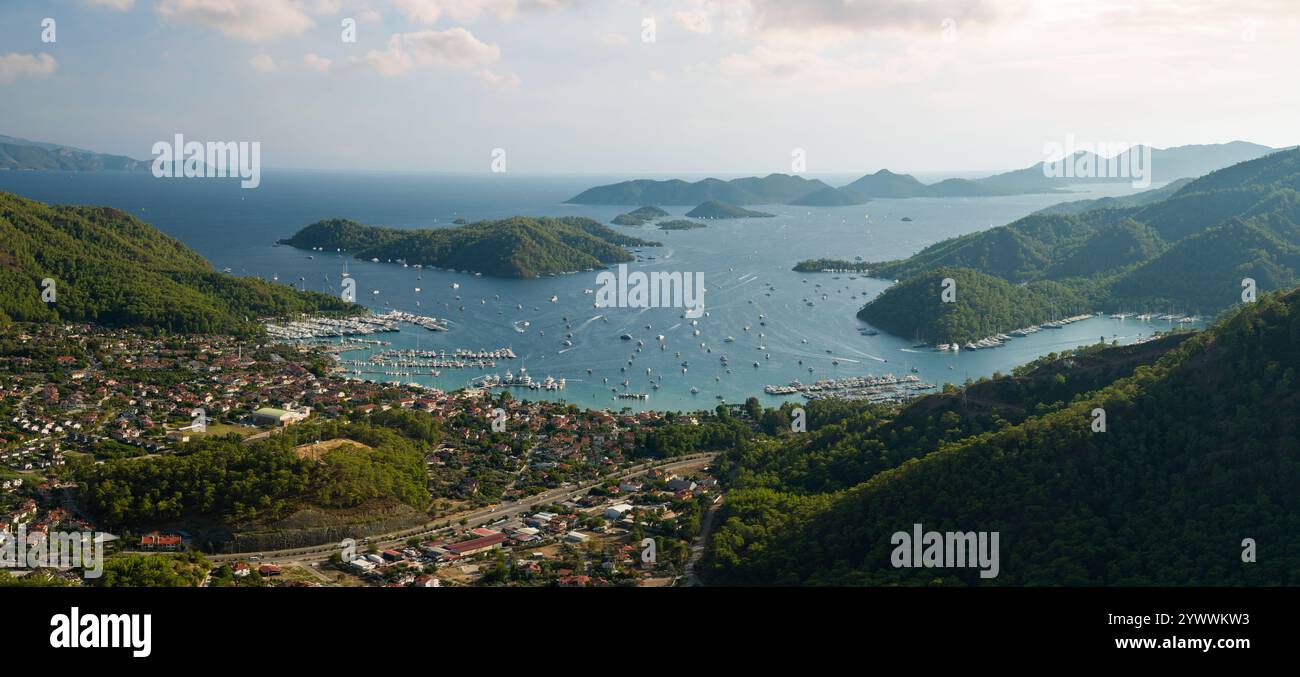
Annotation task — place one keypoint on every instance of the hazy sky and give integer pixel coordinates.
(726, 86)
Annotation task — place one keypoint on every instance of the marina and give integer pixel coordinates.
(887, 388)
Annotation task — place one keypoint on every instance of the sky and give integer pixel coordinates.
(650, 87)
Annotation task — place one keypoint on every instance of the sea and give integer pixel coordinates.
(784, 325)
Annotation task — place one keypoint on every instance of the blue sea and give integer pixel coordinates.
(746, 266)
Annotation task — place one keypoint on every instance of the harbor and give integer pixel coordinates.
(887, 388)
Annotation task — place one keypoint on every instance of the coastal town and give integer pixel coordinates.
(74, 394)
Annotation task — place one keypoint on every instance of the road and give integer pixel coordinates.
(472, 519)
(697, 546)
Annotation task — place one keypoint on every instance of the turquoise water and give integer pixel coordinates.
(746, 266)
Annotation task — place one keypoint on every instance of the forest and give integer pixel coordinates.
(1198, 457)
(112, 269)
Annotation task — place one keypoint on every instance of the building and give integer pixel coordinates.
(477, 545)
(278, 417)
(615, 512)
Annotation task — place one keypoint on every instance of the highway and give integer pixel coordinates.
(473, 519)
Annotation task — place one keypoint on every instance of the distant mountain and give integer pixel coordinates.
(516, 247)
(1167, 164)
(1187, 252)
(714, 209)
(109, 268)
(16, 153)
(771, 189)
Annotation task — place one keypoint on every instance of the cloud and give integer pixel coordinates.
(453, 49)
(875, 15)
(317, 62)
(695, 21)
(807, 68)
(14, 66)
(429, 11)
(263, 62)
(119, 5)
(251, 20)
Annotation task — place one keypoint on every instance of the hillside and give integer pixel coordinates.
(113, 269)
(516, 247)
(16, 153)
(1186, 252)
(1199, 453)
(985, 305)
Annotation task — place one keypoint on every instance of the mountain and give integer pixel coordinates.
(1167, 164)
(1188, 252)
(639, 216)
(112, 269)
(771, 189)
(1199, 452)
(16, 153)
(516, 247)
(714, 209)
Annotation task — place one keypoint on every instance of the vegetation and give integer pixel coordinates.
(818, 265)
(639, 216)
(1236, 223)
(1199, 453)
(984, 305)
(223, 479)
(182, 570)
(516, 247)
(111, 269)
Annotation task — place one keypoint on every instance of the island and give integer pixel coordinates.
(830, 266)
(714, 209)
(521, 246)
(639, 216)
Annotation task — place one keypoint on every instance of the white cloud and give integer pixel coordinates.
(263, 62)
(429, 11)
(251, 20)
(695, 21)
(317, 62)
(119, 5)
(453, 49)
(15, 65)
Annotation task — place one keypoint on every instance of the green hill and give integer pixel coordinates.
(1186, 252)
(984, 305)
(516, 247)
(1199, 453)
(18, 153)
(113, 269)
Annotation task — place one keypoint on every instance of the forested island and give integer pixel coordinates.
(830, 266)
(520, 246)
(639, 216)
(1198, 452)
(109, 268)
(714, 209)
(1188, 252)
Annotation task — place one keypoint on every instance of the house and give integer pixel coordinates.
(269, 570)
(160, 541)
(681, 484)
(427, 581)
(241, 569)
(576, 537)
